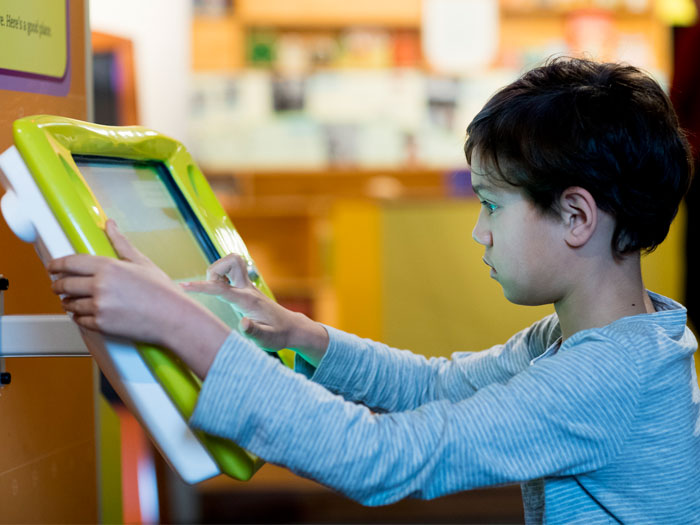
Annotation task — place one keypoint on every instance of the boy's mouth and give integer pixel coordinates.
(487, 263)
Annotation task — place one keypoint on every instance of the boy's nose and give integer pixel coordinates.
(480, 234)
(482, 237)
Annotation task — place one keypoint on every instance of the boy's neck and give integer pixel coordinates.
(603, 295)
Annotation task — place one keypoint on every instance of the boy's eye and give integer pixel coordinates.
(490, 207)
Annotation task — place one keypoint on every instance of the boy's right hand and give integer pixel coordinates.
(269, 324)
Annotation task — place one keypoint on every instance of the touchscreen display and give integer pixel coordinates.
(151, 212)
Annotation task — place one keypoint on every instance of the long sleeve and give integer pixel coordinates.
(566, 414)
(392, 380)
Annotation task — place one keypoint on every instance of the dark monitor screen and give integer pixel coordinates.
(150, 210)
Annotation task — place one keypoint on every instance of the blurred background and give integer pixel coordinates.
(332, 133)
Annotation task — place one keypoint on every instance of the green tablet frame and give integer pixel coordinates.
(47, 145)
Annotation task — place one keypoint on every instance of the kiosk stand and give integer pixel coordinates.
(63, 179)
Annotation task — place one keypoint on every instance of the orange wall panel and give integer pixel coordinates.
(47, 432)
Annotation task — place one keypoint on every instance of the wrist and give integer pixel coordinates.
(196, 337)
(309, 339)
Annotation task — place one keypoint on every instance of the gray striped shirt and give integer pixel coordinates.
(602, 428)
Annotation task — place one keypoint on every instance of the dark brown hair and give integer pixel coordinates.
(606, 127)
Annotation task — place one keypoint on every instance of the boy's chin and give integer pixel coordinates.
(526, 298)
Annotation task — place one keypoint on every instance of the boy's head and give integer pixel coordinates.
(607, 128)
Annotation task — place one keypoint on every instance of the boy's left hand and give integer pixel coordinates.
(130, 297)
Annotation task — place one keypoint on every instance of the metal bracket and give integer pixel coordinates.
(40, 336)
(36, 336)
(5, 376)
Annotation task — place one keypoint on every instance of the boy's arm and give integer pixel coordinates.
(551, 419)
(393, 380)
(360, 369)
(133, 298)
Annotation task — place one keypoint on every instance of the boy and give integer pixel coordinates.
(580, 167)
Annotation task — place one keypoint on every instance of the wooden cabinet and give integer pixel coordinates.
(286, 220)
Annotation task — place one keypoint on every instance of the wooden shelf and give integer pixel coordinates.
(285, 217)
(329, 13)
(514, 12)
(302, 188)
(217, 43)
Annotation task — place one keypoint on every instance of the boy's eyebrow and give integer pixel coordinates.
(481, 188)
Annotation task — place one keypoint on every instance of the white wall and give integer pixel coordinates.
(161, 34)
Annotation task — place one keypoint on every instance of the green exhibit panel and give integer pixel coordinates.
(64, 178)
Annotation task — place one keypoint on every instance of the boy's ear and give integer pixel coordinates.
(580, 215)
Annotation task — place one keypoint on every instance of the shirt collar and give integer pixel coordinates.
(670, 315)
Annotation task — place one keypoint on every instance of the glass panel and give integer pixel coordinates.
(138, 198)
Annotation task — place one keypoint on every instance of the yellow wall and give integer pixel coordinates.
(439, 297)
(409, 274)
(356, 268)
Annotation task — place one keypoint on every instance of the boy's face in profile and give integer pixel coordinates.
(523, 245)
